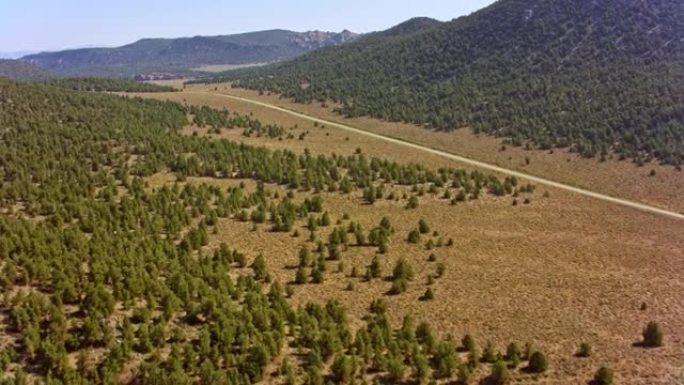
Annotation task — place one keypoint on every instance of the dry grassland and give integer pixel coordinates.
(563, 270)
(557, 272)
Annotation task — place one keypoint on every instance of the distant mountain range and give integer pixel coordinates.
(16, 54)
(23, 70)
(597, 76)
(183, 54)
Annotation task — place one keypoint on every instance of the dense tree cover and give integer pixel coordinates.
(596, 77)
(99, 267)
(110, 85)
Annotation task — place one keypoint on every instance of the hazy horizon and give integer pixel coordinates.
(39, 25)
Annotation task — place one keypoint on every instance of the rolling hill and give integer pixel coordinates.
(150, 55)
(600, 77)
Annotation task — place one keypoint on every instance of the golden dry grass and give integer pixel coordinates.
(560, 271)
(557, 272)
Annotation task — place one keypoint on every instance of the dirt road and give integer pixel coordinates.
(472, 162)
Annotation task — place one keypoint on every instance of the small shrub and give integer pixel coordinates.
(653, 335)
(430, 280)
(515, 361)
(289, 291)
(398, 286)
(342, 369)
(500, 374)
(375, 269)
(300, 276)
(430, 244)
(468, 343)
(423, 227)
(538, 363)
(464, 375)
(428, 296)
(584, 350)
(489, 354)
(395, 370)
(325, 220)
(440, 270)
(474, 358)
(402, 270)
(528, 351)
(604, 376)
(413, 237)
(317, 275)
(512, 349)
(259, 267)
(383, 248)
(513, 354)
(412, 202)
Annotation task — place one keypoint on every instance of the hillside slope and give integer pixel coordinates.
(596, 76)
(19, 69)
(148, 55)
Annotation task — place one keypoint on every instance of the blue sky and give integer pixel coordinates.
(59, 24)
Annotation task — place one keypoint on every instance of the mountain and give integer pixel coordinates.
(417, 24)
(20, 69)
(160, 55)
(15, 54)
(596, 76)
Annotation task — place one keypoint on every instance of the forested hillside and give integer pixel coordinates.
(596, 76)
(147, 56)
(107, 281)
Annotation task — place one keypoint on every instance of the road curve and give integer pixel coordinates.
(472, 162)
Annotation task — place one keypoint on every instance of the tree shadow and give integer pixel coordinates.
(644, 345)
(489, 380)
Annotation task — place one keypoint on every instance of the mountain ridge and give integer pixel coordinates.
(548, 73)
(181, 54)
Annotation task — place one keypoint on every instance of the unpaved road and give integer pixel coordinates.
(472, 162)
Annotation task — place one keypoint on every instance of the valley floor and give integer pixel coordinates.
(561, 270)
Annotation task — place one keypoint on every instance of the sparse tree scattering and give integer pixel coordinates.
(140, 246)
(597, 77)
(103, 277)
